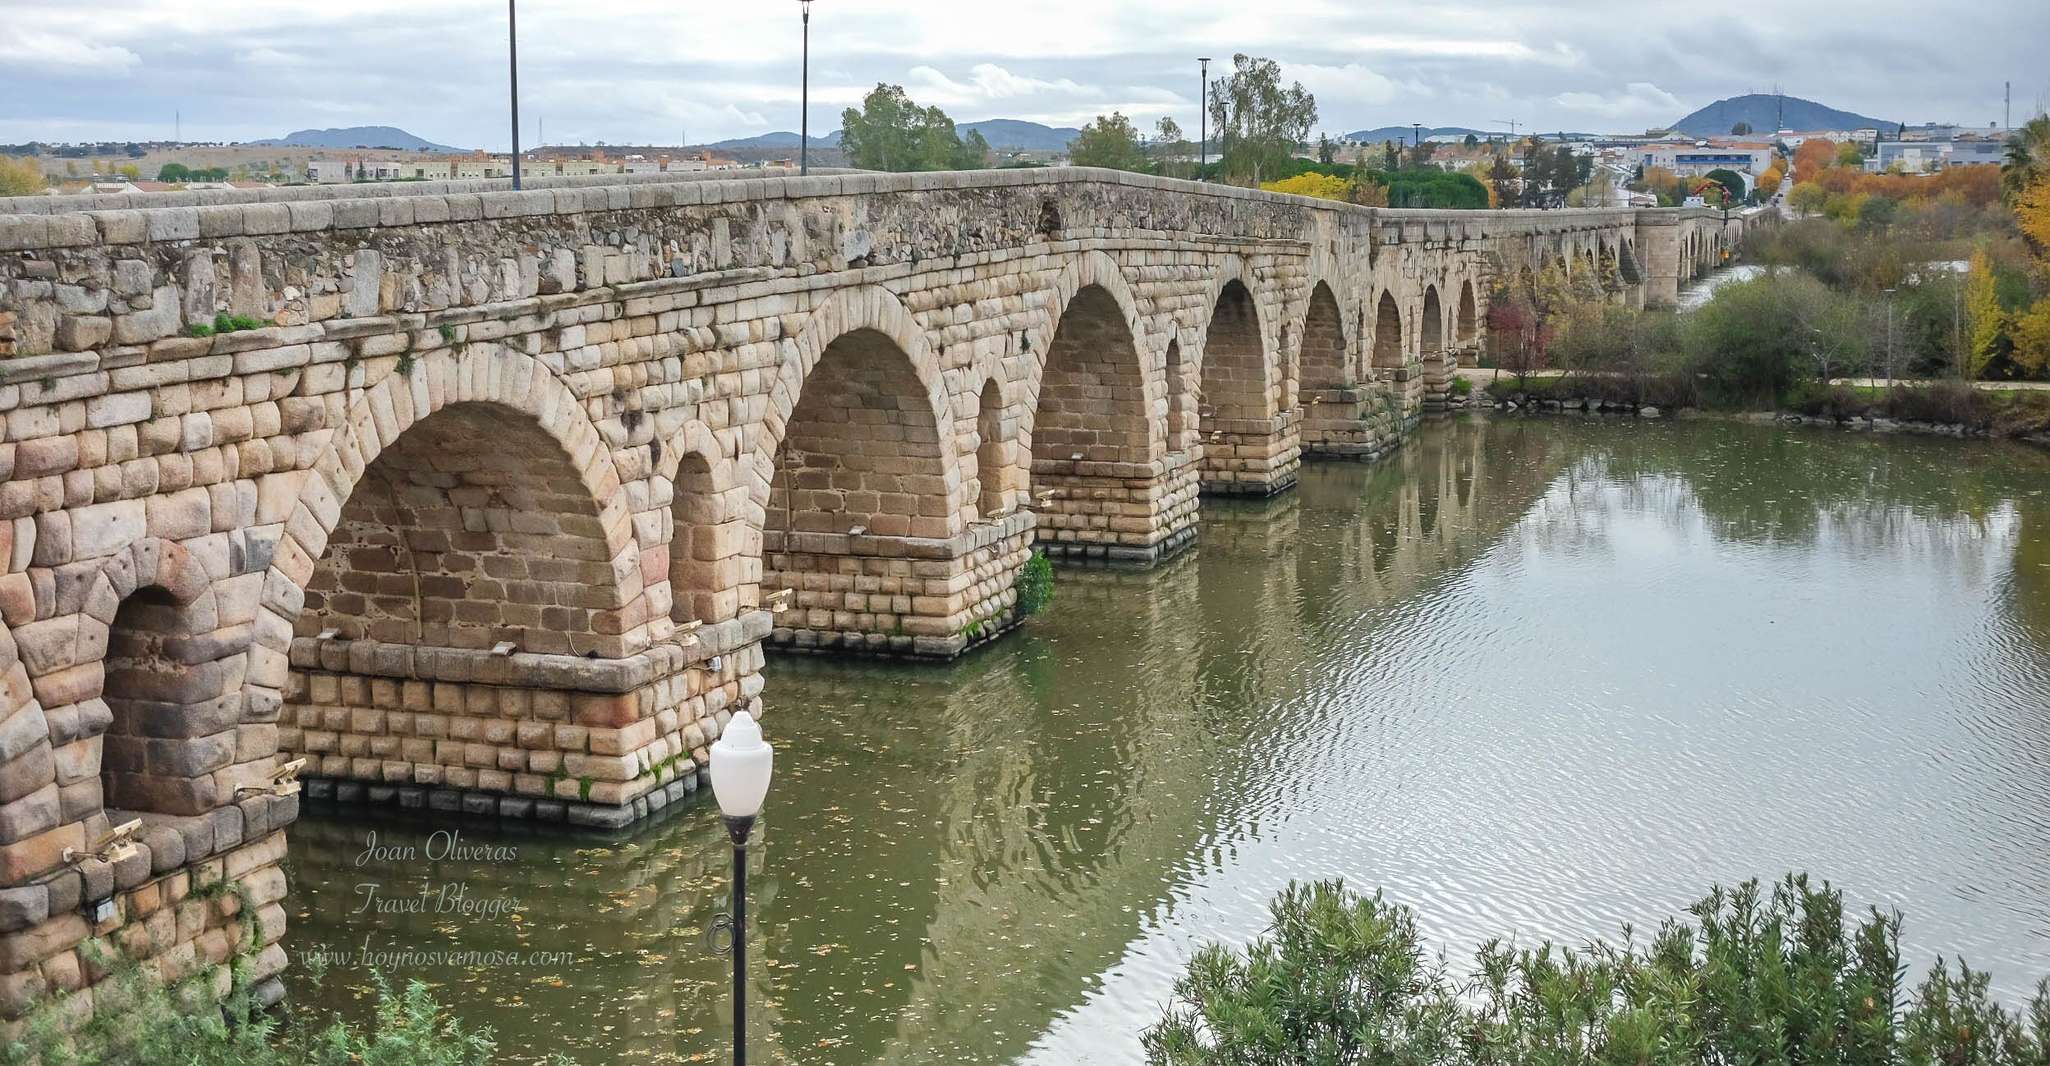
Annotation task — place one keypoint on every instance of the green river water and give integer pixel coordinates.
(1535, 677)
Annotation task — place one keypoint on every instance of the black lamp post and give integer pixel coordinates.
(1203, 122)
(741, 765)
(804, 121)
(512, 37)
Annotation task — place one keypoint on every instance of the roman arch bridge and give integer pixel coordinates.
(498, 500)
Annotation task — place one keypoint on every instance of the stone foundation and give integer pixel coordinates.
(1120, 512)
(1248, 457)
(1351, 423)
(447, 728)
(898, 596)
(177, 907)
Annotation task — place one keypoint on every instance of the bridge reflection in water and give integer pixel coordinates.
(1447, 673)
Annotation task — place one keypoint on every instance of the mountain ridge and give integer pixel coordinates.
(1763, 112)
(356, 137)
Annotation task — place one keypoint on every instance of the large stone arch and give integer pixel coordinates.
(1235, 370)
(1468, 329)
(1431, 328)
(1325, 364)
(1092, 395)
(875, 316)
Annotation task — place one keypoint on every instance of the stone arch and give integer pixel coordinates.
(713, 559)
(481, 374)
(993, 464)
(1324, 343)
(166, 716)
(1626, 263)
(1389, 351)
(885, 339)
(1432, 331)
(1091, 403)
(1235, 382)
(1179, 422)
(1467, 331)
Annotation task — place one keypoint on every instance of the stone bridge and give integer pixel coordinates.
(500, 503)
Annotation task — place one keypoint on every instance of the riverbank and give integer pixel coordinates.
(1932, 408)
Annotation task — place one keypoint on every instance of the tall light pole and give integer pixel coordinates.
(741, 765)
(512, 37)
(1203, 122)
(804, 122)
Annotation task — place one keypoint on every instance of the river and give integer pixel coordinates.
(1535, 677)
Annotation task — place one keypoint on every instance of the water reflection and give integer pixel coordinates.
(1538, 677)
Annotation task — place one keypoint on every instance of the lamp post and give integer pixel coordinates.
(1203, 122)
(512, 40)
(804, 121)
(741, 764)
(1416, 136)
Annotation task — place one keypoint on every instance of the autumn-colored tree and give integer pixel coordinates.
(2032, 213)
(1526, 309)
(1812, 158)
(1322, 186)
(2030, 334)
(1769, 182)
(1985, 320)
(20, 176)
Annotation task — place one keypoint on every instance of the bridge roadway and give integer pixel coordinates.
(497, 510)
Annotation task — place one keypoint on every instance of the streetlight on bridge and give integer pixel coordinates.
(804, 120)
(741, 765)
(512, 38)
(1203, 122)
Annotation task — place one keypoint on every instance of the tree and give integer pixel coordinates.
(174, 172)
(1985, 319)
(1741, 129)
(1808, 198)
(1472, 142)
(1259, 122)
(1171, 150)
(2032, 213)
(892, 133)
(1769, 182)
(1849, 155)
(1731, 181)
(1502, 181)
(2028, 157)
(1327, 153)
(1110, 142)
(20, 176)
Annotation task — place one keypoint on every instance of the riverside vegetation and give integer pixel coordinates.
(1869, 288)
(1758, 977)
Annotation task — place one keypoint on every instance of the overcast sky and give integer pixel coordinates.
(645, 71)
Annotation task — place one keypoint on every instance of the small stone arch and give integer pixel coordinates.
(1468, 329)
(1433, 327)
(1091, 399)
(713, 554)
(1389, 350)
(994, 465)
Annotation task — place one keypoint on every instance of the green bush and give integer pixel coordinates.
(140, 1022)
(1462, 386)
(1759, 978)
(1034, 585)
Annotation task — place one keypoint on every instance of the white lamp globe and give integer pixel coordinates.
(741, 763)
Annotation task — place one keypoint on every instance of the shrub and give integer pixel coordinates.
(1034, 585)
(1760, 977)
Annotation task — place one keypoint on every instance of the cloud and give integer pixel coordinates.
(986, 82)
(55, 52)
(1638, 98)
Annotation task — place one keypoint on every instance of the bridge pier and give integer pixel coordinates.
(915, 597)
(1118, 512)
(592, 742)
(1354, 422)
(1252, 457)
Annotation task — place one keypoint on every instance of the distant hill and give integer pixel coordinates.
(999, 132)
(1402, 133)
(357, 137)
(778, 139)
(1019, 134)
(1763, 112)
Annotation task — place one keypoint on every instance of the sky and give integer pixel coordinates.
(654, 71)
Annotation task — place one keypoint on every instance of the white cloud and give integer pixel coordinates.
(50, 51)
(986, 82)
(1638, 98)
